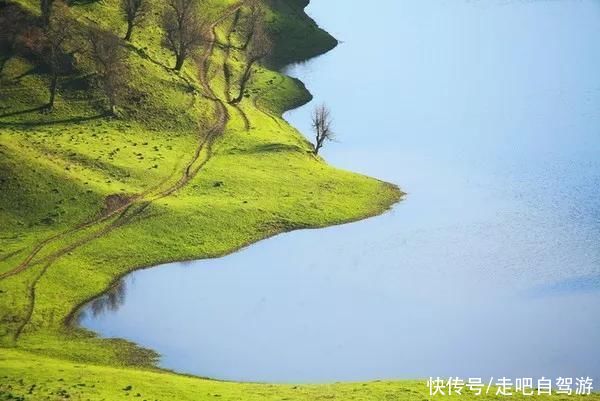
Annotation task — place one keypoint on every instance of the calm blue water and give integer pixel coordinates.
(488, 114)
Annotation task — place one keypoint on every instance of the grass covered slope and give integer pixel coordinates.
(40, 378)
(86, 198)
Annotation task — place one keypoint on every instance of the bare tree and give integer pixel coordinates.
(321, 122)
(12, 21)
(59, 30)
(107, 54)
(258, 45)
(255, 18)
(46, 10)
(134, 12)
(184, 30)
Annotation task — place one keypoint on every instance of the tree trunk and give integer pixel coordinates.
(244, 82)
(53, 86)
(112, 103)
(248, 39)
(3, 62)
(179, 62)
(129, 31)
(46, 10)
(227, 76)
(318, 147)
(319, 141)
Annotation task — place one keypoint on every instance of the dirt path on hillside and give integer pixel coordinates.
(222, 119)
(128, 209)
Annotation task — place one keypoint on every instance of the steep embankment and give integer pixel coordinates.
(182, 174)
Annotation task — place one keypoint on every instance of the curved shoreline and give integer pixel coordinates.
(62, 338)
(385, 206)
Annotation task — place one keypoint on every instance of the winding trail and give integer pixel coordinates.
(134, 206)
(222, 118)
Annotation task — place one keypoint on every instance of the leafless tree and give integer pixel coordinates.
(258, 46)
(134, 12)
(321, 122)
(184, 29)
(58, 31)
(107, 54)
(46, 10)
(12, 21)
(255, 18)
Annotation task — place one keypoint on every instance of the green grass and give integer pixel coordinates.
(42, 378)
(61, 170)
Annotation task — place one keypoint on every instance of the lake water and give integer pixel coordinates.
(487, 113)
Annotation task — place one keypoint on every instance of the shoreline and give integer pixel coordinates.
(151, 356)
(62, 339)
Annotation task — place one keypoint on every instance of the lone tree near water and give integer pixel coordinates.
(258, 45)
(107, 54)
(134, 12)
(184, 30)
(321, 122)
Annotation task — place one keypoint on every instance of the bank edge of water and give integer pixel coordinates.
(310, 42)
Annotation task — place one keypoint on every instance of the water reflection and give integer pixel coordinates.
(110, 301)
(487, 114)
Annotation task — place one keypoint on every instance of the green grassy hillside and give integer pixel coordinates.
(180, 174)
(38, 377)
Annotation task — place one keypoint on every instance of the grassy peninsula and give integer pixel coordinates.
(179, 174)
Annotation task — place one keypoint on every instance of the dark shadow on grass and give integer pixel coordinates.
(21, 112)
(9, 255)
(272, 148)
(143, 54)
(29, 124)
(81, 2)
(31, 71)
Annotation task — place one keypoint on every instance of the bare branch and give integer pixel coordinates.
(12, 21)
(59, 30)
(321, 122)
(184, 30)
(134, 12)
(46, 10)
(107, 54)
(258, 45)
